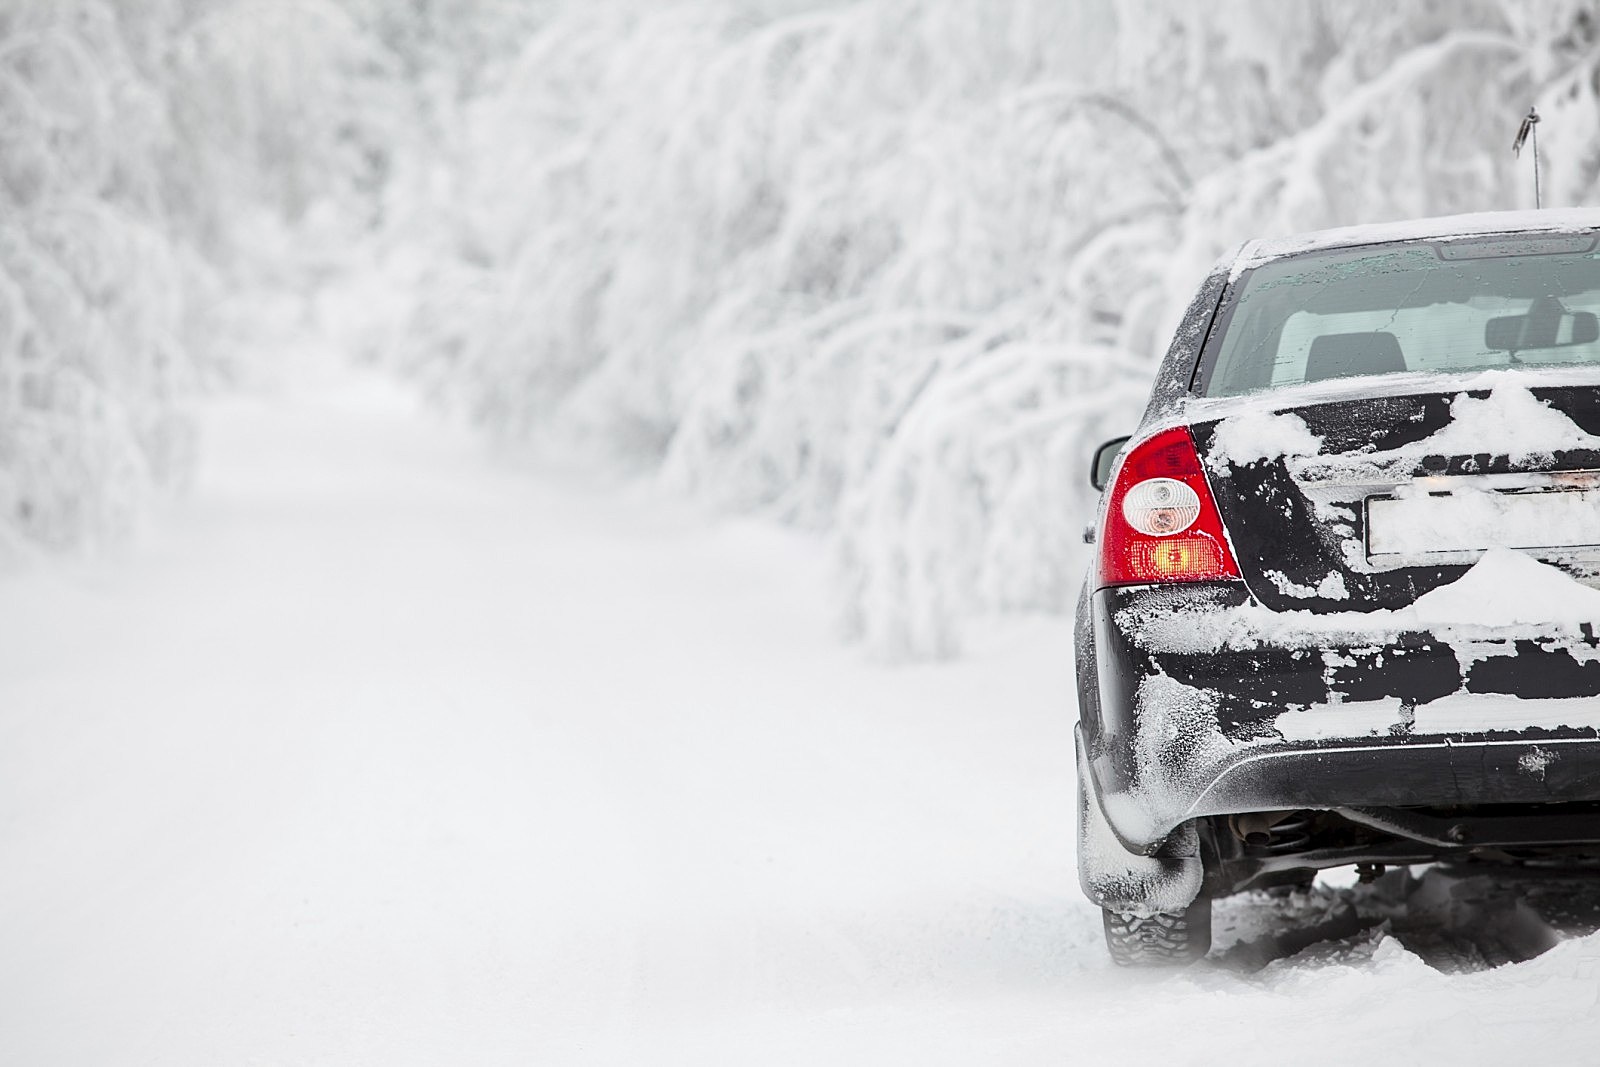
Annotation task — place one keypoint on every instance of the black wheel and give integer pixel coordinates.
(1165, 939)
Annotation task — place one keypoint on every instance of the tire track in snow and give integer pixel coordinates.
(1458, 919)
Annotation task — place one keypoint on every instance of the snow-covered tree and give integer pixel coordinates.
(146, 152)
(93, 366)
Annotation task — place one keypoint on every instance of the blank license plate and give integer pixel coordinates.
(1475, 520)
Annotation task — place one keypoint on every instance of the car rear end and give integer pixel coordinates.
(1345, 600)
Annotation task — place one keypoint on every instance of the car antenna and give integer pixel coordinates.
(1530, 128)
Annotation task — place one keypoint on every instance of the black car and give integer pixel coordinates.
(1346, 581)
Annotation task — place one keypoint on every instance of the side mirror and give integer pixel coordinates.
(1105, 458)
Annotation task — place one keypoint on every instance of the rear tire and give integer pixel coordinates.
(1165, 939)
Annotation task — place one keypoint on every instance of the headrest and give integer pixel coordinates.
(1347, 355)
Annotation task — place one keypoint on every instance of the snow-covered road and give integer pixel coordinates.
(376, 754)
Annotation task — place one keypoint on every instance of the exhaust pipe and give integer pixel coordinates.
(1254, 828)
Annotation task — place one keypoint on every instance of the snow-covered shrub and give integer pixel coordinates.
(892, 268)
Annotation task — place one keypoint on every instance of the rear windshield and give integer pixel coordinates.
(1449, 306)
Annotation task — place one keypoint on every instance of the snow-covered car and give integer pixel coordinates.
(1344, 606)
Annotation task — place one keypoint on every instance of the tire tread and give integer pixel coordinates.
(1162, 939)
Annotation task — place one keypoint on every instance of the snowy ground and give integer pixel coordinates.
(376, 754)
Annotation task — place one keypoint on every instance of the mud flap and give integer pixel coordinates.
(1168, 879)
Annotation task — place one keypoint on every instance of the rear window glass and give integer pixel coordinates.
(1466, 305)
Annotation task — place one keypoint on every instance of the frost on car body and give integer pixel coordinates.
(1344, 608)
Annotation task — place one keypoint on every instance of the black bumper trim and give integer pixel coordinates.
(1448, 771)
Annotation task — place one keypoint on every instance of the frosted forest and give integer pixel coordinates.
(887, 270)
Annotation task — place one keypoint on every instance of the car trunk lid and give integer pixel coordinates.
(1360, 502)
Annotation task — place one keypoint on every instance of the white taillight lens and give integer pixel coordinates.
(1160, 506)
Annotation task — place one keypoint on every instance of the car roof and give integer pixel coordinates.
(1548, 220)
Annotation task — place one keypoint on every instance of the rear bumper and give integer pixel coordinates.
(1418, 771)
(1207, 704)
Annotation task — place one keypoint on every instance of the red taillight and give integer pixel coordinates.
(1193, 551)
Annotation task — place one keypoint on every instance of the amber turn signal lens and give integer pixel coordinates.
(1174, 558)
